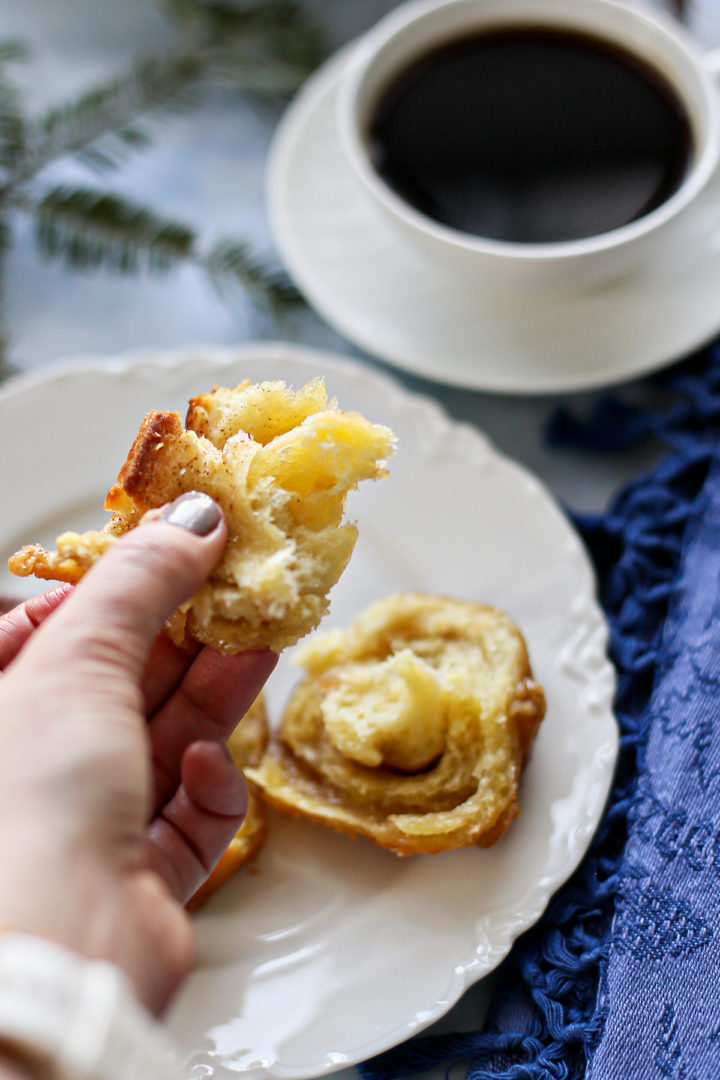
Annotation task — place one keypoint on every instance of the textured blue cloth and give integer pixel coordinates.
(621, 977)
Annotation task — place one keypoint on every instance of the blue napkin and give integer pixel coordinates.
(621, 977)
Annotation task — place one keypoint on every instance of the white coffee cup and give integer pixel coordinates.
(416, 28)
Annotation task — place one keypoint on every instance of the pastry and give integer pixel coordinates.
(411, 728)
(246, 744)
(280, 463)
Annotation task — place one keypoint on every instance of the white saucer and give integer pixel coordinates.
(384, 297)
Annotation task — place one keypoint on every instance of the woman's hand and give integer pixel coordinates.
(116, 793)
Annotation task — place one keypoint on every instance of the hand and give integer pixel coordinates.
(116, 793)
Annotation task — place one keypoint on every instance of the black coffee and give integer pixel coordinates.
(531, 135)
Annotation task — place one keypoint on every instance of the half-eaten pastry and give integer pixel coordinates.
(280, 463)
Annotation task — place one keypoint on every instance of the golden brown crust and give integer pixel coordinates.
(247, 745)
(138, 476)
(280, 463)
(412, 728)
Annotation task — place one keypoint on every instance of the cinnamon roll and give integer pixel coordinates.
(411, 728)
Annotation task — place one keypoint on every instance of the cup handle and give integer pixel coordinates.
(711, 63)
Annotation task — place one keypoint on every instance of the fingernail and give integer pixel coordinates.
(194, 511)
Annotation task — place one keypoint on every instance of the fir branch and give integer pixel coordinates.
(110, 113)
(231, 262)
(267, 48)
(264, 78)
(215, 22)
(86, 229)
(264, 47)
(110, 150)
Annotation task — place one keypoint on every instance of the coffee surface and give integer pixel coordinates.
(531, 135)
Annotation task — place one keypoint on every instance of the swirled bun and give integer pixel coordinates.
(280, 463)
(411, 728)
(246, 744)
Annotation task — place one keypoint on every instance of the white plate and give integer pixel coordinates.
(389, 300)
(330, 950)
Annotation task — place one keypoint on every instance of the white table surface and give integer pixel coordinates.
(208, 167)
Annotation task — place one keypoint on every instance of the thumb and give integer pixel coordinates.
(118, 608)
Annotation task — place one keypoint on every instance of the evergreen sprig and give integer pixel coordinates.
(102, 124)
(266, 48)
(233, 263)
(88, 229)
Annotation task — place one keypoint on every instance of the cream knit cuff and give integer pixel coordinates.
(78, 1018)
